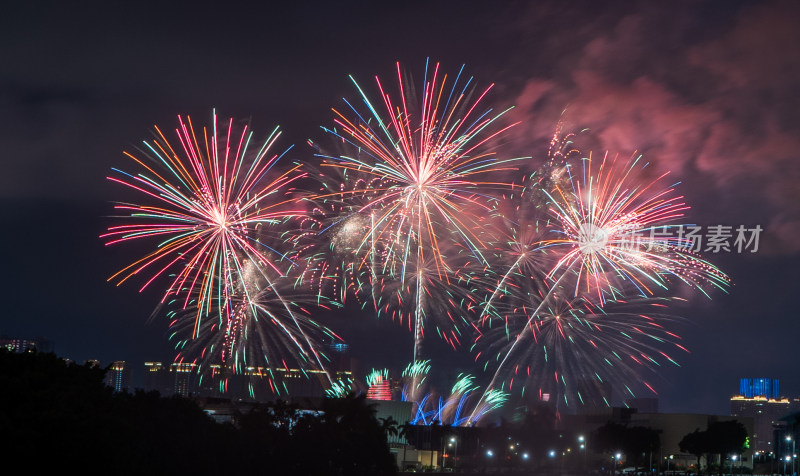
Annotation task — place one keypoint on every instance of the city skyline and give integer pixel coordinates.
(184, 379)
(701, 109)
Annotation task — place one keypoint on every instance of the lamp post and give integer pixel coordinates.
(582, 441)
(733, 460)
(616, 458)
(454, 443)
(789, 438)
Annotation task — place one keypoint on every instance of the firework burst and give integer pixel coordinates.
(609, 235)
(223, 219)
(209, 200)
(610, 227)
(422, 169)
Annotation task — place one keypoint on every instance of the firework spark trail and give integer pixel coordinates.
(341, 388)
(216, 206)
(576, 347)
(518, 236)
(257, 327)
(425, 171)
(536, 312)
(608, 223)
(516, 217)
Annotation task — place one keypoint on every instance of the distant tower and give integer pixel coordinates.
(157, 378)
(118, 376)
(759, 399)
(759, 387)
(184, 378)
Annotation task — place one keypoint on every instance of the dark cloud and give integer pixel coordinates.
(653, 80)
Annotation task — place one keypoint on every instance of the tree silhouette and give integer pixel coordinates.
(389, 425)
(720, 438)
(61, 416)
(695, 443)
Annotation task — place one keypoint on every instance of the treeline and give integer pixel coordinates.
(59, 416)
(720, 440)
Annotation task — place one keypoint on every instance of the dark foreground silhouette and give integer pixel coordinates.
(57, 417)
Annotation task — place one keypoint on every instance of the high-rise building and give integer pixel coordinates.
(759, 387)
(157, 378)
(184, 375)
(760, 400)
(118, 376)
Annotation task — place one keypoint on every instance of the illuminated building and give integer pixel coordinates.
(17, 345)
(249, 383)
(118, 376)
(759, 400)
(261, 382)
(759, 387)
(184, 378)
(157, 378)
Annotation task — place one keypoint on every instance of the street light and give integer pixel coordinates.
(733, 460)
(582, 442)
(789, 438)
(454, 444)
(617, 457)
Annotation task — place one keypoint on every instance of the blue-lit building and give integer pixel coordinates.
(759, 399)
(118, 376)
(759, 387)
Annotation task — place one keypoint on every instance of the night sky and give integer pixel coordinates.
(706, 90)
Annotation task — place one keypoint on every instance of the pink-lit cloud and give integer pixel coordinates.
(723, 106)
